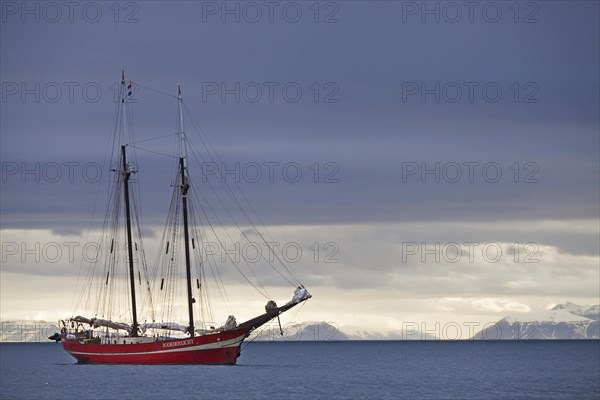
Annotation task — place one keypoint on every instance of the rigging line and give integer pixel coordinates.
(154, 138)
(218, 219)
(76, 304)
(298, 310)
(114, 123)
(154, 90)
(272, 251)
(139, 224)
(253, 339)
(221, 286)
(263, 292)
(195, 153)
(288, 269)
(151, 151)
(159, 257)
(262, 330)
(216, 274)
(249, 241)
(219, 283)
(227, 254)
(167, 263)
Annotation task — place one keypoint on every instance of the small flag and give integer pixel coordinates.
(129, 89)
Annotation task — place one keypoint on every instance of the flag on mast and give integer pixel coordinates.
(129, 89)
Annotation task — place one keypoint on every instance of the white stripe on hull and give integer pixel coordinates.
(208, 346)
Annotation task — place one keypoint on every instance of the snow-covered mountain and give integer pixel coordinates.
(27, 331)
(564, 321)
(591, 312)
(312, 331)
(323, 331)
(358, 333)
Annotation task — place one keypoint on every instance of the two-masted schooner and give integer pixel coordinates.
(114, 332)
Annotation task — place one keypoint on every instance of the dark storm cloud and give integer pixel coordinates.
(370, 141)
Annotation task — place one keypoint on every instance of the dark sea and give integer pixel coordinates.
(321, 370)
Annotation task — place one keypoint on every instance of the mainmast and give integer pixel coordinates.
(186, 236)
(126, 174)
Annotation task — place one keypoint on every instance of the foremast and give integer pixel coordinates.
(184, 206)
(126, 171)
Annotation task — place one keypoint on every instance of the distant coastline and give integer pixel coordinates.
(565, 321)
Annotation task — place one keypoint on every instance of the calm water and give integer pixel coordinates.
(331, 370)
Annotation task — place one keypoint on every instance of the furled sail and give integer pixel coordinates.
(163, 325)
(81, 319)
(95, 322)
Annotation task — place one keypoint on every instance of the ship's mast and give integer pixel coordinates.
(126, 174)
(186, 236)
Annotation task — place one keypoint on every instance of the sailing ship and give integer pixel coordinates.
(117, 333)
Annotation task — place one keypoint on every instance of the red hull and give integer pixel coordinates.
(218, 348)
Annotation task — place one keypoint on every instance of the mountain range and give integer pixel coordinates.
(564, 321)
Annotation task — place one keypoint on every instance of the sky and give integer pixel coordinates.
(443, 157)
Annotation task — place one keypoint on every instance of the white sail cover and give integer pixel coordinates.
(231, 323)
(300, 294)
(95, 322)
(163, 325)
(81, 319)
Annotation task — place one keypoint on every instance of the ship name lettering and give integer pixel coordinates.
(178, 343)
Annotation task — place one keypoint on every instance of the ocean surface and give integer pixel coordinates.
(321, 370)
